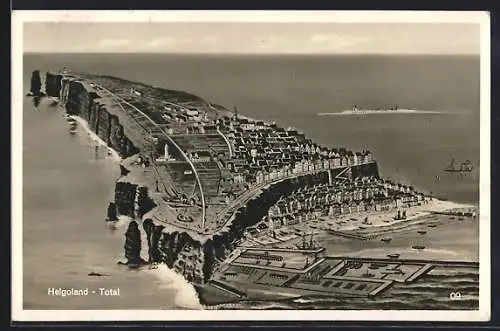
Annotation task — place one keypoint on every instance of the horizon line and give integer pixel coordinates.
(254, 54)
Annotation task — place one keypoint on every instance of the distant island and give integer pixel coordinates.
(238, 206)
(389, 110)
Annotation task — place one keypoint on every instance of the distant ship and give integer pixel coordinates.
(464, 167)
(393, 109)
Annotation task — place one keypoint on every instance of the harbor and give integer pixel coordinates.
(253, 274)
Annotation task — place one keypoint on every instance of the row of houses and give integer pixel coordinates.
(277, 218)
(257, 143)
(340, 198)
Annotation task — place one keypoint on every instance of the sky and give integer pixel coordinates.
(252, 38)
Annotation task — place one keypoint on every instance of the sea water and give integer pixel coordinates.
(69, 178)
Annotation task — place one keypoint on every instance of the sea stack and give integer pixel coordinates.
(36, 83)
(154, 235)
(133, 244)
(112, 212)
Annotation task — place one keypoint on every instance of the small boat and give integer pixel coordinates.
(386, 240)
(431, 225)
(362, 227)
(393, 256)
(373, 267)
(417, 247)
(421, 232)
(460, 218)
(97, 274)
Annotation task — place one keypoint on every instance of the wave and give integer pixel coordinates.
(436, 288)
(399, 300)
(185, 294)
(443, 272)
(373, 111)
(84, 124)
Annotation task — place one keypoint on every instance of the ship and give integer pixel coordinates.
(393, 109)
(393, 256)
(466, 166)
(307, 245)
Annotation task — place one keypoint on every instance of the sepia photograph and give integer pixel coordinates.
(222, 165)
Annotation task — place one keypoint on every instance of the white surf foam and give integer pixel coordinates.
(95, 137)
(120, 224)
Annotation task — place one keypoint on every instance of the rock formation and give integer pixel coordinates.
(133, 244)
(36, 83)
(53, 84)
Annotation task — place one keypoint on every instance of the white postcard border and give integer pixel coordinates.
(20, 17)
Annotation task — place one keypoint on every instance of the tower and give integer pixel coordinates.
(167, 156)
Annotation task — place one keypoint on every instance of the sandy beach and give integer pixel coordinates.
(355, 221)
(378, 223)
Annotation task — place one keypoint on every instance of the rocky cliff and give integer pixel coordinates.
(53, 84)
(82, 100)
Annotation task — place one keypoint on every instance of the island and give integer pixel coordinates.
(241, 207)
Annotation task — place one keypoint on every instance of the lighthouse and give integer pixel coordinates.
(167, 156)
